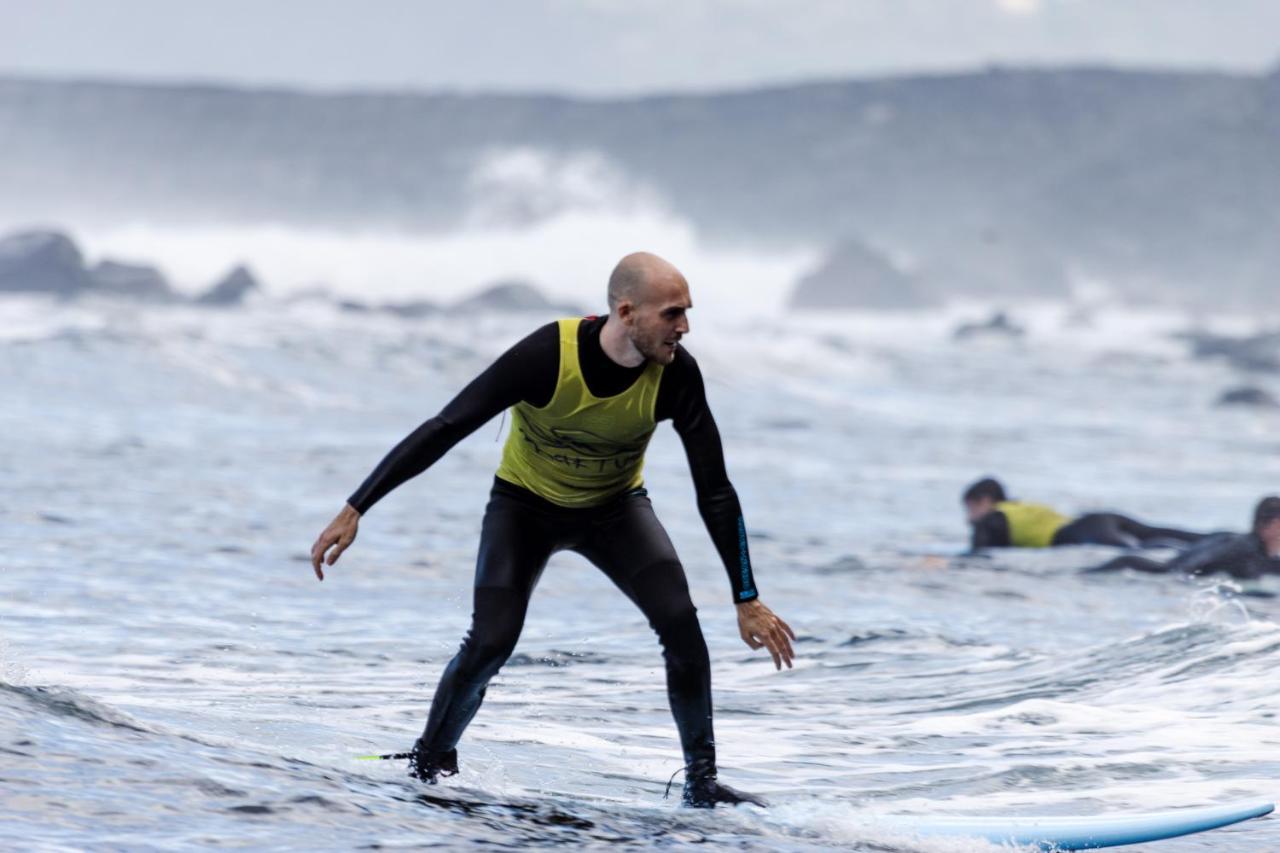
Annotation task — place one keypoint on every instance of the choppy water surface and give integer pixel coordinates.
(171, 674)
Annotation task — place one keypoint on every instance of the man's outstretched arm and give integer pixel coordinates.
(686, 404)
(990, 531)
(527, 371)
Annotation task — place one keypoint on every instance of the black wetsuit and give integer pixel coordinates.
(1241, 555)
(623, 537)
(1095, 528)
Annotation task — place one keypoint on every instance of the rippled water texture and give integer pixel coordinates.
(171, 674)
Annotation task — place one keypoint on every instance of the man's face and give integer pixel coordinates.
(977, 508)
(656, 323)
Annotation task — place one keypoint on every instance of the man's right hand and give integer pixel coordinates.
(340, 533)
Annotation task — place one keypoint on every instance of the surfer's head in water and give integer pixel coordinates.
(648, 301)
(982, 497)
(1266, 524)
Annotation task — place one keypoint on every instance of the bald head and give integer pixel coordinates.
(640, 276)
(648, 301)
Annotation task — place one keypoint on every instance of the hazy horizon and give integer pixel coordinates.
(780, 84)
(589, 48)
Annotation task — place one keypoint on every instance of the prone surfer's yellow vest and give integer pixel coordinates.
(580, 450)
(1031, 525)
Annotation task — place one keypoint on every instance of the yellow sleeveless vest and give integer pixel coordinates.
(1031, 525)
(579, 450)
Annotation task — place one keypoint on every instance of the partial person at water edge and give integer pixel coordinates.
(585, 396)
(999, 522)
(1240, 555)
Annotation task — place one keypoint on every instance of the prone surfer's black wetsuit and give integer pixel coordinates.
(1095, 528)
(622, 536)
(1112, 528)
(1241, 555)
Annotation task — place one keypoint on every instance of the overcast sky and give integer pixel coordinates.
(609, 47)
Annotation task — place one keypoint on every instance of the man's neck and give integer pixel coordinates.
(617, 346)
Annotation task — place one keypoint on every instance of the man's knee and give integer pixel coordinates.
(483, 654)
(683, 645)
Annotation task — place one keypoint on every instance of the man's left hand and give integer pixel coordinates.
(759, 627)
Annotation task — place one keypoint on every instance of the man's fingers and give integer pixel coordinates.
(779, 646)
(340, 543)
(768, 631)
(768, 642)
(784, 643)
(317, 556)
(781, 649)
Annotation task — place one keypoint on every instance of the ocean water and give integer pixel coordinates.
(172, 676)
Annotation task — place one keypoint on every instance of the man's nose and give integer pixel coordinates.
(683, 326)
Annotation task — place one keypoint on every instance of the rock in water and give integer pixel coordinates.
(42, 262)
(232, 289)
(997, 325)
(410, 310)
(136, 281)
(1257, 353)
(511, 296)
(1248, 395)
(856, 276)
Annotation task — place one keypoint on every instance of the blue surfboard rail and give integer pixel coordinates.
(1054, 832)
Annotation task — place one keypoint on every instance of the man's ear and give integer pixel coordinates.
(625, 311)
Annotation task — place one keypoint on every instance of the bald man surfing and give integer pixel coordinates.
(585, 396)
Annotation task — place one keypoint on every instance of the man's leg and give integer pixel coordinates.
(515, 543)
(1129, 561)
(1121, 531)
(632, 548)
(1157, 537)
(1096, 528)
(630, 545)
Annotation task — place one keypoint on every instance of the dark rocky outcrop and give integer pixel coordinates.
(1248, 395)
(231, 289)
(856, 276)
(1259, 353)
(509, 297)
(998, 325)
(42, 262)
(133, 281)
(412, 310)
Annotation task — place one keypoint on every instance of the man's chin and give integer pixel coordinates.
(662, 354)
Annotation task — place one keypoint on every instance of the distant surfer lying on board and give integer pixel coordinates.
(1241, 555)
(998, 522)
(585, 396)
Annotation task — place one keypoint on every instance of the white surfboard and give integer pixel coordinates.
(1081, 833)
